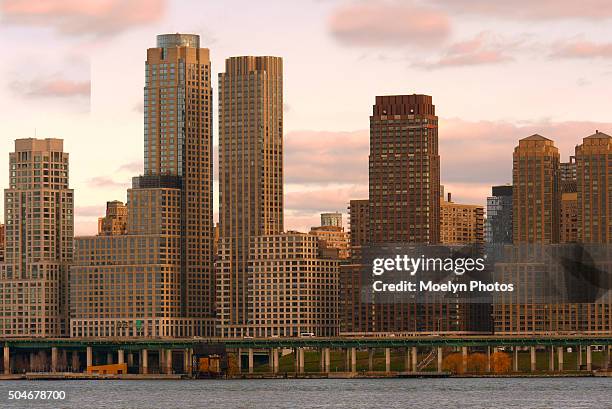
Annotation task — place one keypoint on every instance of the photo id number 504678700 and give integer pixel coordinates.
(36, 395)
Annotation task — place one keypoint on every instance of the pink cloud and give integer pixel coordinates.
(388, 23)
(582, 49)
(53, 88)
(326, 157)
(78, 17)
(534, 10)
(480, 50)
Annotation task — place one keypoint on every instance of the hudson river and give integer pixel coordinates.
(317, 393)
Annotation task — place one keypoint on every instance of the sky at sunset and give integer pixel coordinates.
(497, 70)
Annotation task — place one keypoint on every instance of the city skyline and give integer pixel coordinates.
(75, 96)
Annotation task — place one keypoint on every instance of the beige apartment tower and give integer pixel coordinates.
(250, 177)
(130, 284)
(294, 290)
(149, 271)
(536, 191)
(39, 226)
(594, 188)
(178, 142)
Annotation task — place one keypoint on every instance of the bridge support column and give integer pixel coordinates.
(532, 359)
(464, 359)
(407, 360)
(168, 361)
(327, 360)
(551, 359)
(589, 358)
(414, 357)
(515, 359)
(300, 361)
(89, 358)
(250, 360)
(54, 359)
(560, 358)
(347, 359)
(144, 361)
(387, 359)
(321, 360)
(7, 359)
(488, 359)
(353, 359)
(440, 357)
(579, 357)
(275, 360)
(120, 356)
(371, 352)
(607, 357)
(130, 361)
(239, 360)
(187, 361)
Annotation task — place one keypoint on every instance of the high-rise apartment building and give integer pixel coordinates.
(594, 188)
(178, 142)
(115, 220)
(404, 182)
(499, 215)
(461, 223)
(155, 277)
(250, 177)
(294, 290)
(129, 284)
(536, 192)
(39, 234)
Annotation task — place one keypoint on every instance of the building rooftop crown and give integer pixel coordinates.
(598, 135)
(536, 137)
(178, 40)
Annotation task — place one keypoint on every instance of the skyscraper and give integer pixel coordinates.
(39, 234)
(250, 176)
(536, 193)
(154, 276)
(594, 185)
(499, 215)
(404, 171)
(178, 142)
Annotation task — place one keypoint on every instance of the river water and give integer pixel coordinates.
(566, 393)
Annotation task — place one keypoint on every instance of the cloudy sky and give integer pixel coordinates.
(497, 70)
